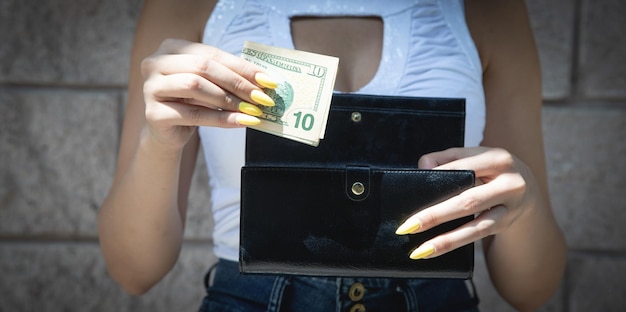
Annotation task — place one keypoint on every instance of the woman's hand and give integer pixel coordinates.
(189, 84)
(505, 189)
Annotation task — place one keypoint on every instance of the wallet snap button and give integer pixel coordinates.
(358, 188)
(356, 293)
(356, 116)
(358, 308)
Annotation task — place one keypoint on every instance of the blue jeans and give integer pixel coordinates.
(231, 292)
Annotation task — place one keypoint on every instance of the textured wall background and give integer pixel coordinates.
(63, 67)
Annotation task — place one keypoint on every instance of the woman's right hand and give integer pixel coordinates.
(189, 84)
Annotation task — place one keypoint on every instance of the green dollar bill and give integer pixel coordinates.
(305, 86)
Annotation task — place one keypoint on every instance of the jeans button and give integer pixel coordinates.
(356, 292)
(357, 308)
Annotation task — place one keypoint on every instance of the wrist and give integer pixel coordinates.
(156, 147)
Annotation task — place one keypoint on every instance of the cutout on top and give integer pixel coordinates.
(356, 41)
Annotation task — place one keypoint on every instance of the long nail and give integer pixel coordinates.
(409, 226)
(265, 80)
(247, 120)
(422, 252)
(250, 109)
(261, 98)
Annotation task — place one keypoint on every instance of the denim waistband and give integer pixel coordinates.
(226, 286)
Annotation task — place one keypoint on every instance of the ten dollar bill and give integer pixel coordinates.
(305, 87)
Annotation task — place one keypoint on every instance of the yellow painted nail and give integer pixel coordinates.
(261, 98)
(422, 251)
(247, 120)
(409, 226)
(250, 109)
(265, 80)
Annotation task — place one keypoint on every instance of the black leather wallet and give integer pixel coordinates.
(332, 210)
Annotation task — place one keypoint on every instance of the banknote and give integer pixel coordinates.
(305, 87)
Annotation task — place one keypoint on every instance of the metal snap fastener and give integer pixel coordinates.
(356, 292)
(358, 188)
(356, 116)
(358, 308)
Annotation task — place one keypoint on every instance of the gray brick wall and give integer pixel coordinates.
(63, 67)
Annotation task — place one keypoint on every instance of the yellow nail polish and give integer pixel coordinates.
(250, 109)
(261, 98)
(247, 120)
(422, 252)
(409, 226)
(265, 80)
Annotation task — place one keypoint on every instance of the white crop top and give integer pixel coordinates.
(427, 51)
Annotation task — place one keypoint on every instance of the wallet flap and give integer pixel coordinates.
(357, 182)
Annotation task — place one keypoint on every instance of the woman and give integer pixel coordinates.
(189, 93)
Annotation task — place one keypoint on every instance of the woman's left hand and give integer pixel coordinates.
(505, 189)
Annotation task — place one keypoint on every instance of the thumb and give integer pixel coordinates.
(436, 159)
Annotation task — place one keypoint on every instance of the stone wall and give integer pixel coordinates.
(63, 67)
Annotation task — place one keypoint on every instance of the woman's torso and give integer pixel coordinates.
(426, 50)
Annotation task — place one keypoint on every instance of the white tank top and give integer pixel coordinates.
(427, 51)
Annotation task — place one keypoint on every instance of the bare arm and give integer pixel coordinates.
(527, 260)
(174, 86)
(144, 212)
(524, 248)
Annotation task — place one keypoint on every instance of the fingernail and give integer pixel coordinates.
(250, 109)
(265, 80)
(261, 98)
(247, 120)
(422, 252)
(409, 226)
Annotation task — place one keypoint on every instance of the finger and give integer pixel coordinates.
(484, 161)
(436, 159)
(469, 202)
(238, 65)
(208, 69)
(181, 114)
(484, 225)
(193, 88)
